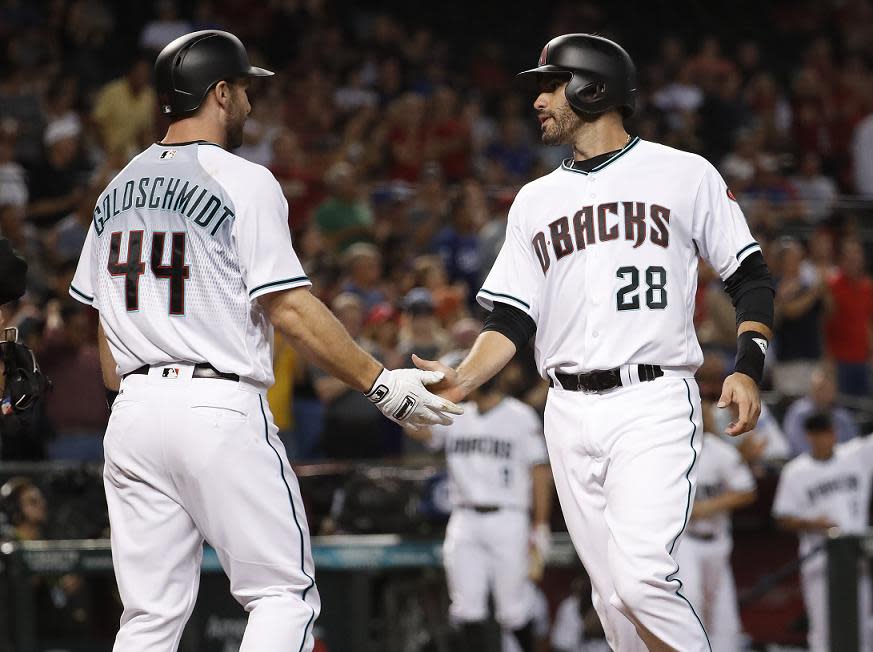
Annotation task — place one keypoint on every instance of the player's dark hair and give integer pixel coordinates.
(818, 422)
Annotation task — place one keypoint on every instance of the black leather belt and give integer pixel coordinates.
(482, 509)
(603, 379)
(201, 370)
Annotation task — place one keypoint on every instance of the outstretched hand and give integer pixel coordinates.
(740, 390)
(401, 395)
(448, 387)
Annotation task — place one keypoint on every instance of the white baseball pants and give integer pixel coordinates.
(194, 459)
(623, 463)
(709, 585)
(488, 554)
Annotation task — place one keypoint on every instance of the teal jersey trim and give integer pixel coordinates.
(82, 294)
(505, 296)
(296, 522)
(283, 281)
(624, 150)
(746, 248)
(672, 576)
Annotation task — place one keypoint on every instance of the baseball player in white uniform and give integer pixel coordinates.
(189, 262)
(600, 263)
(827, 487)
(724, 484)
(498, 469)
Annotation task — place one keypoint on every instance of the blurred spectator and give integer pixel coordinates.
(406, 137)
(802, 301)
(458, 243)
(722, 113)
(61, 101)
(77, 407)
(771, 111)
(421, 333)
(68, 235)
(344, 218)
(848, 329)
(816, 190)
(740, 164)
(512, 152)
(430, 273)
(24, 507)
(124, 110)
(678, 97)
(13, 179)
(55, 185)
(448, 135)
(821, 398)
(301, 186)
(354, 94)
(60, 603)
(382, 327)
(363, 266)
(714, 314)
(353, 428)
(862, 156)
(166, 27)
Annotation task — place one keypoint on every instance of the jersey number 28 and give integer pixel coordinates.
(627, 297)
(134, 267)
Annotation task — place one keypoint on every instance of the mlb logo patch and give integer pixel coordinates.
(170, 372)
(168, 154)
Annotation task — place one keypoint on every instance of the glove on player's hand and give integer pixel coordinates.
(401, 396)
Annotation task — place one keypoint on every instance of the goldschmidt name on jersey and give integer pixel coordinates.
(162, 193)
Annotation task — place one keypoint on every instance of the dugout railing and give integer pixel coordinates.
(351, 570)
(846, 556)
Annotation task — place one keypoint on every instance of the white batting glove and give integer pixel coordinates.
(541, 539)
(402, 397)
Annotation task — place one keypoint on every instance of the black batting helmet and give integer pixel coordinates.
(190, 66)
(600, 75)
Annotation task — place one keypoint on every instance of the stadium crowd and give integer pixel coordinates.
(399, 156)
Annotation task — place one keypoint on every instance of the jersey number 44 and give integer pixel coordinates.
(176, 272)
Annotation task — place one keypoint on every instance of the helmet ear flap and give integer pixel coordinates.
(586, 96)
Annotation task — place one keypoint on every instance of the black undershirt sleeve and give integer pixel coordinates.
(512, 322)
(752, 290)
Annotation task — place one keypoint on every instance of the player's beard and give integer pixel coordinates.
(561, 129)
(236, 120)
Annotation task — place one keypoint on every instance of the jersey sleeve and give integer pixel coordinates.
(720, 229)
(263, 241)
(516, 277)
(84, 281)
(789, 500)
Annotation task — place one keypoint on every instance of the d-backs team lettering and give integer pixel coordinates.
(602, 223)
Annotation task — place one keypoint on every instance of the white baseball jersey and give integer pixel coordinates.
(605, 262)
(183, 241)
(720, 469)
(837, 488)
(489, 455)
